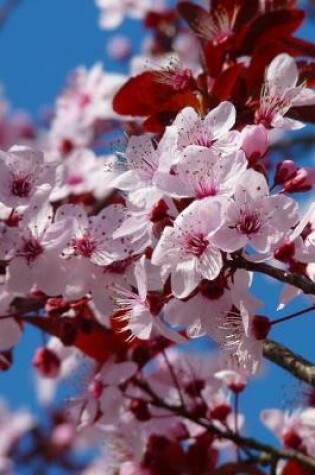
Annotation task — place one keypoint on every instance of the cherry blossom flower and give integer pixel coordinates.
(113, 13)
(295, 430)
(143, 224)
(89, 93)
(255, 218)
(202, 173)
(83, 172)
(144, 162)
(281, 92)
(187, 247)
(141, 311)
(84, 104)
(37, 247)
(218, 297)
(23, 173)
(212, 131)
(241, 334)
(92, 236)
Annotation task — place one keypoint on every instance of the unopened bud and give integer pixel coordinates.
(47, 362)
(286, 170)
(260, 327)
(255, 142)
(220, 412)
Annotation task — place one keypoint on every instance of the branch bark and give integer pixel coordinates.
(296, 365)
(298, 281)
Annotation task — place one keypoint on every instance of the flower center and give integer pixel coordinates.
(195, 244)
(249, 223)
(205, 189)
(30, 250)
(21, 187)
(84, 246)
(203, 141)
(74, 179)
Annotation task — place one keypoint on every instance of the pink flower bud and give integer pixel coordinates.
(140, 410)
(255, 142)
(285, 252)
(47, 362)
(286, 170)
(302, 181)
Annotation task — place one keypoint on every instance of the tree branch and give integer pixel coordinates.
(298, 281)
(296, 365)
(274, 454)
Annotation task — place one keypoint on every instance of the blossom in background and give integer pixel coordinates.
(113, 13)
(23, 173)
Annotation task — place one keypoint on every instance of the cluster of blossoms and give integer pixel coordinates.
(122, 259)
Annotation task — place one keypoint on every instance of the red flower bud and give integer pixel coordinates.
(47, 362)
(260, 327)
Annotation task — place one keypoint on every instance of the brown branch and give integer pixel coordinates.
(274, 454)
(297, 280)
(296, 365)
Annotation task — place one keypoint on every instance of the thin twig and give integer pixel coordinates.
(275, 454)
(293, 315)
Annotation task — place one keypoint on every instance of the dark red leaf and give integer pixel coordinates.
(225, 84)
(272, 5)
(194, 15)
(243, 10)
(87, 335)
(307, 72)
(303, 113)
(299, 47)
(140, 95)
(271, 27)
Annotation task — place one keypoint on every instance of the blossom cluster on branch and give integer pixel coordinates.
(122, 259)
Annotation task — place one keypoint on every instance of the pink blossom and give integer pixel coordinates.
(187, 247)
(86, 101)
(83, 172)
(253, 217)
(113, 12)
(202, 173)
(141, 312)
(92, 236)
(143, 162)
(37, 247)
(212, 131)
(23, 173)
(142, 223)
(281, 92)
(295, 430)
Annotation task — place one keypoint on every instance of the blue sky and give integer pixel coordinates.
(41, 43)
